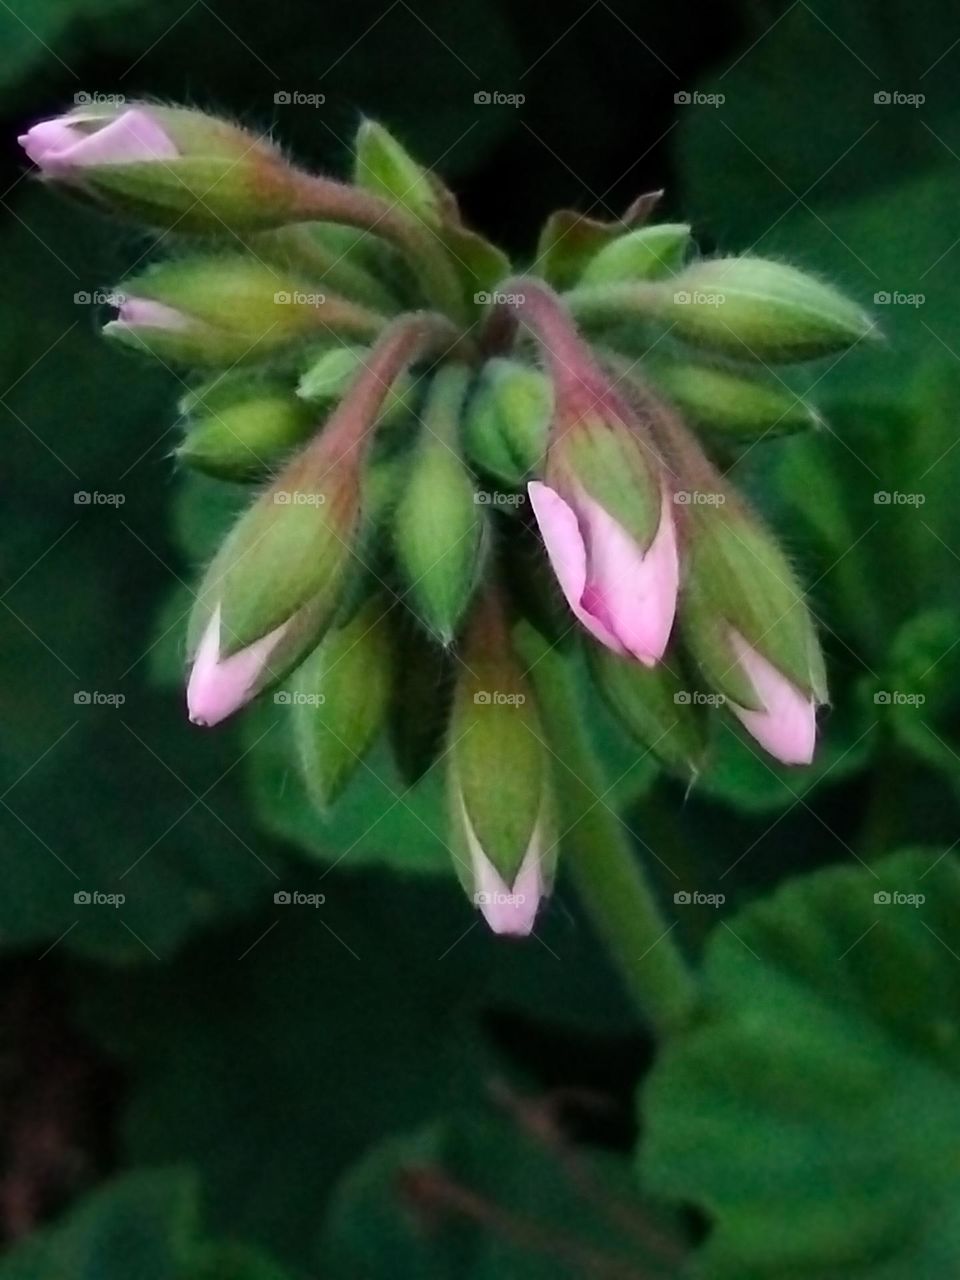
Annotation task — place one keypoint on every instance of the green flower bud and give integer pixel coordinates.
(499, 780)
(238, 428)
(332, 373)
(570, 239)
(229, 309)
(751, 308)
(657, 706)
(386, 169)
(507, 419)
(732, 403)
(339, 698)
(383, 166)
(645, 254)
(438, 525)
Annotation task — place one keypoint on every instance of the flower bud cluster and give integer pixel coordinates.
(443, 448)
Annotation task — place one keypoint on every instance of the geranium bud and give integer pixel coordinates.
(66, 146)
(439, 523)
(649, 253)
(239, 428)
(174, 167)
(657, 706)
(569, 239)
(338, 698)
(507, 418)
(751, 308)
(742, 613)
(283, 569)
(229, 309)
(604, 506)
(498, 780)
(326, 379)
(729, 403)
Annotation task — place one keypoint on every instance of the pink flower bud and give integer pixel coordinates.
(787, 725)
(624, 596)
(144, 313)
(218, 687)
(65, 144)
(508, 909)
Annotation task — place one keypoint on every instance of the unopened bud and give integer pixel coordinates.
(745, 622)
(438, 525)
(751, 308)
(655, 705)
(278, 581)
(229, 309)
(507, 418)
(604, 505)
(498, 779)
(168, 165)
(731, 403)
(238, 428)
(339, 697)
(385, 167)
(649, 253)
(329, 376)
(570, 239)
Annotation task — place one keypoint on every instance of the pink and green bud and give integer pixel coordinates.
(69, 146)
(174, 167)
(439, 525)
(279, 579)
(743, 616)
(230, 309)
(499, 780)
(604, 506)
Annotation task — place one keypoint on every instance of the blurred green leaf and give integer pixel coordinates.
(812, 1114)
(315, 1031)
(144, 1225)
(474, 1196)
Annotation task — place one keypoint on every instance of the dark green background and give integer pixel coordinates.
(264, 1070)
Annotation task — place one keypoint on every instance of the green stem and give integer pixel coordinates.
(598, 854)
(322, 200)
